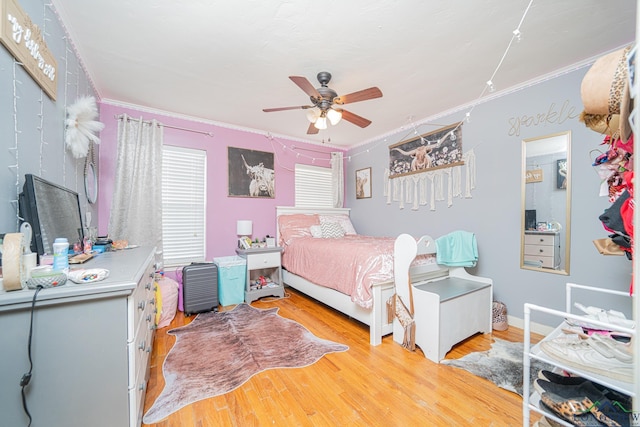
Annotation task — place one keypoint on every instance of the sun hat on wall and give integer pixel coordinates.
(605, 93)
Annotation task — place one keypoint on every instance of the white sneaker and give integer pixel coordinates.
(608, 316)
(579, 354)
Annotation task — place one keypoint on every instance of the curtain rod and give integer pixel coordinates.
(120, 117)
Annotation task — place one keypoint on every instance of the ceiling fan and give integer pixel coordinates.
(324, 100)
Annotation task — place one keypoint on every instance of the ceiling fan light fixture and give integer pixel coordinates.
(321, 123)
(334, 116)
(312, 115)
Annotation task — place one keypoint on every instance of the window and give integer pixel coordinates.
(183, 205)
(314, 187)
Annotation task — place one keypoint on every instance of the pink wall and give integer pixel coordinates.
(222, 211)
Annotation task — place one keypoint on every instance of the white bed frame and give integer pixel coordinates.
(376, 318)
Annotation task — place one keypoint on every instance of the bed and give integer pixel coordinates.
(364, 296)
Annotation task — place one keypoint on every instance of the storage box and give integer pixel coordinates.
(232, 277)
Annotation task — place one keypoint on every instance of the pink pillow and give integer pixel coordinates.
(296, 225)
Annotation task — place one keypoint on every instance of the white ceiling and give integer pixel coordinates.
(224, 61)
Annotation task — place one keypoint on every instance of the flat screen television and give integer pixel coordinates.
(52, 210)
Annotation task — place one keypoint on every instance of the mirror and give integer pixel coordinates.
(546, 203)
(91, 182)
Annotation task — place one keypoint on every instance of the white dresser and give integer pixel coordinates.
(542, 249)
(91, 347)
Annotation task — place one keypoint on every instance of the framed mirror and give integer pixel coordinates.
(91, 175)
(546, 203)
(91, 182)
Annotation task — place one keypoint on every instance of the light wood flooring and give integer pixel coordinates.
(384, 385)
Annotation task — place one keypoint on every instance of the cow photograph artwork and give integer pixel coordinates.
(435, 150)
(251, 173)
(363, 183)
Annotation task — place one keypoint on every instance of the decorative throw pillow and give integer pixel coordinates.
(316, 231)
(332, 230)
(295, 225)
(341, 219)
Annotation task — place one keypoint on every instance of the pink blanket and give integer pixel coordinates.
(349, 265)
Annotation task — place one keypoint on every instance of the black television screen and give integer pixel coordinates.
(52, 210)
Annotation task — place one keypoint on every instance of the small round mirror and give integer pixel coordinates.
(91, 183)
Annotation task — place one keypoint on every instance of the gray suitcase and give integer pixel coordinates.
(199, 288)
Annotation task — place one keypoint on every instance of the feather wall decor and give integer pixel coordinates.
(82, 126)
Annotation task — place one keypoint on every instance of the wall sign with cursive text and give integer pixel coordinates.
(24, 40)
(553, 115)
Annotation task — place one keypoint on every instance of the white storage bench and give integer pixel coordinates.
(450, 304)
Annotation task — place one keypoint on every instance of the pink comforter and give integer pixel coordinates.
(349, 265)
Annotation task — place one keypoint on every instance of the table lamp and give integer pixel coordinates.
(244, 228)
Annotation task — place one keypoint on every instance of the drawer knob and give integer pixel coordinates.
(152, 301)
(541, 250)
(148, 286)
(142, 386)
(141, 305)
(142, 345)
(149, 318)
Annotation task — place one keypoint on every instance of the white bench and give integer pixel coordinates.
(450, 304)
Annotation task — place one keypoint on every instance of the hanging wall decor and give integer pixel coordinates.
(426, 187)
(24, 40)
(251, 173)
(435, 150)
(81, 126)
(363, 183)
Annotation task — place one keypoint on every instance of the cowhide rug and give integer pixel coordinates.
(502, 365)
(218, 352)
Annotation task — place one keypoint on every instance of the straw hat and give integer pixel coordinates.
(605, 92)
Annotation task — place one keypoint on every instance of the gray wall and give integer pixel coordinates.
(493, 212)
(38, 146)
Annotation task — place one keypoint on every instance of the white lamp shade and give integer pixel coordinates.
(312, 115)
(334, 116)
(321, 123)
(244, 227)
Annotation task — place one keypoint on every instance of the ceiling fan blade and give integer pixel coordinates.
(355, 119)
(306, 86)
(299, 107)
(361, 95)
(312, 129)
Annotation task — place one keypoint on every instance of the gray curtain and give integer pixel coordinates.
(136, 208)
(337, 179)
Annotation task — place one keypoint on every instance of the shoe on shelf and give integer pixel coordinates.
(578, 411)
(580, 354)
(564, 380)
(608, 316)
(616, 409)
(622, 352)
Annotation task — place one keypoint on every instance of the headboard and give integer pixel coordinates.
(290, 210)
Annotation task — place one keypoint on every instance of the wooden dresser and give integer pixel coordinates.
(91, 346)
(542, 249)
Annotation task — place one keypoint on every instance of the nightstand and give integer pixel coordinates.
(263, 262)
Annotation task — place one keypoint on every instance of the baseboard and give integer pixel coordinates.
(537, 328)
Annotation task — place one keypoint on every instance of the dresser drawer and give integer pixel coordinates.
(266, 260)
(539, 250)
(532, 239)
(541, 261)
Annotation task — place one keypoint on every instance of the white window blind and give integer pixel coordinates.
(313, 187)
(183, 205)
